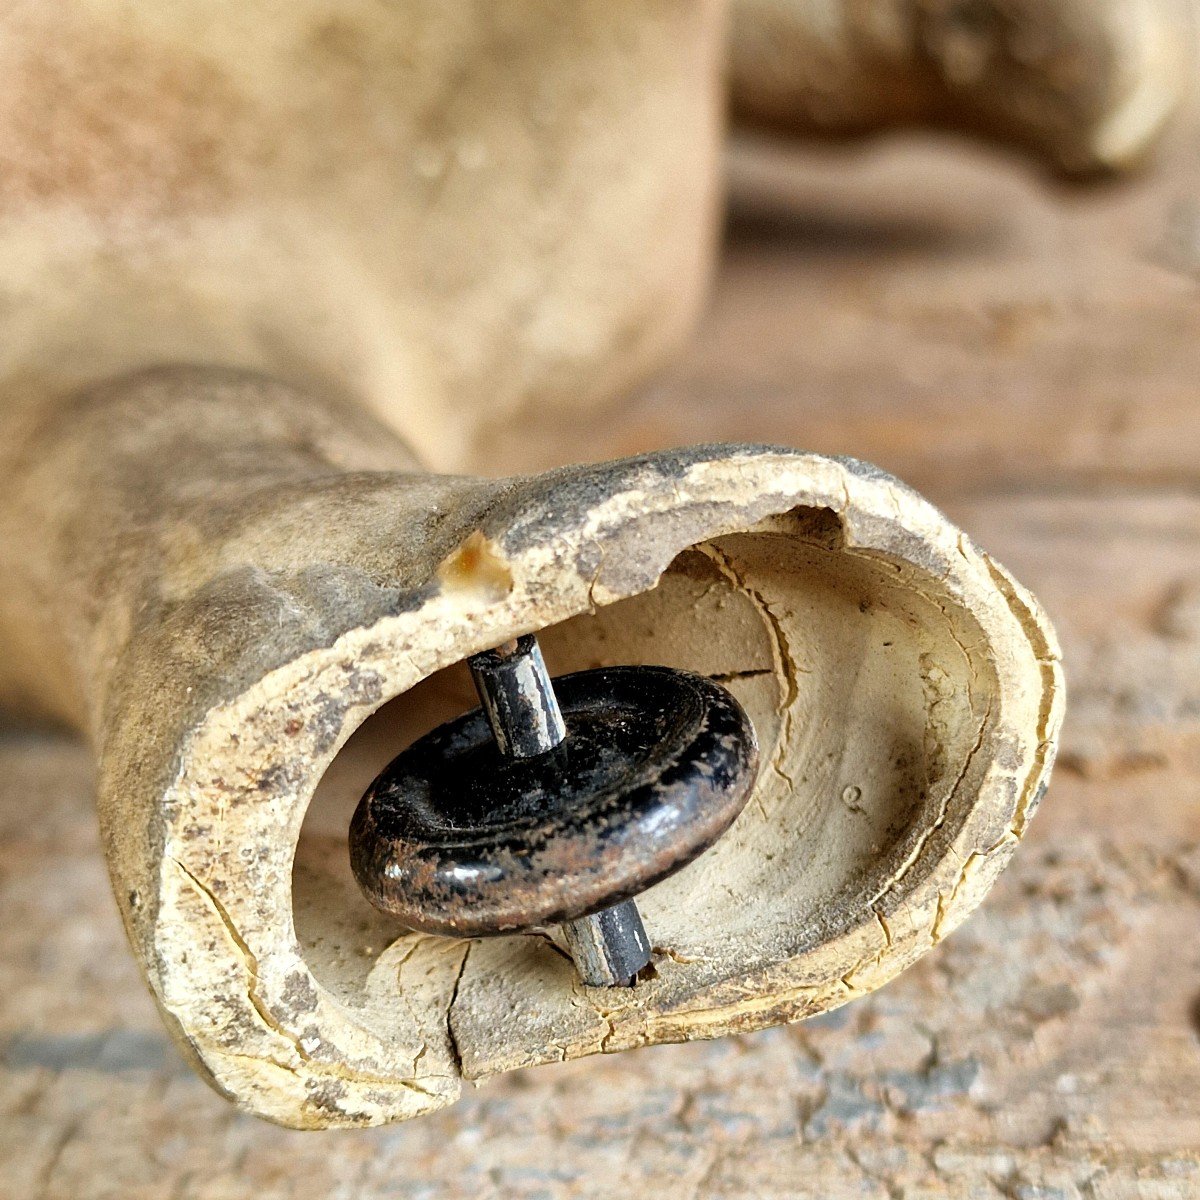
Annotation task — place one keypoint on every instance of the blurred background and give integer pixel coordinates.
(1027, 354)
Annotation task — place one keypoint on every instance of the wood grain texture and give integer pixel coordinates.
(1030, 363)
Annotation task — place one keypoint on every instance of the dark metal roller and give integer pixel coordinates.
(555, 804)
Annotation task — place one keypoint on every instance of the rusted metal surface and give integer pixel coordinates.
(457, 838)
(517, 696)
(609, 947)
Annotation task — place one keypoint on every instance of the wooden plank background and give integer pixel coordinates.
(1030, 359)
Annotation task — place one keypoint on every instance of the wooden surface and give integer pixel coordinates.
(1031, 361)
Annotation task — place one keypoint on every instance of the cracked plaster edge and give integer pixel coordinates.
(252, 1072)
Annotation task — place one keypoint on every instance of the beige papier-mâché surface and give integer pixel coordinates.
(243, 621)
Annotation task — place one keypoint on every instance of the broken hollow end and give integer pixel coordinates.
(219, 577)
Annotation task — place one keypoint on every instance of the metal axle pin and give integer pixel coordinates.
(555, 803)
